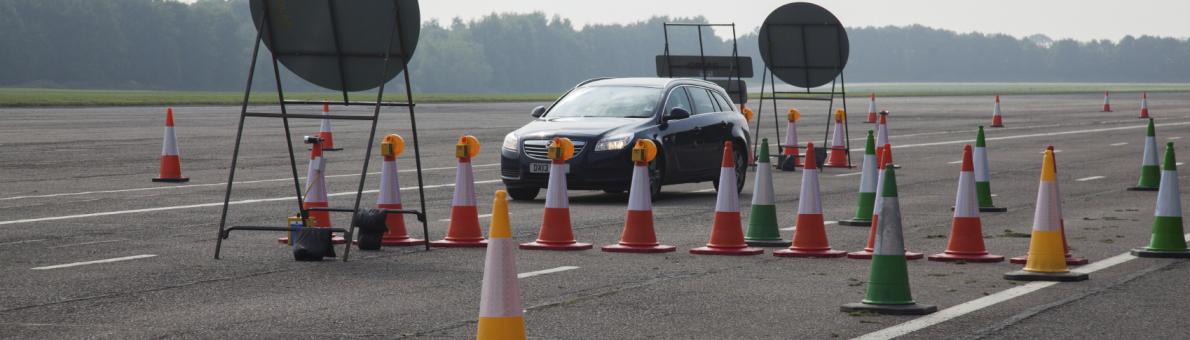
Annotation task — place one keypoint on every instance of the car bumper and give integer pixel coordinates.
(589, 170)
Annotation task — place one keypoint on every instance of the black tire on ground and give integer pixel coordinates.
(656, 175)
(523, 194)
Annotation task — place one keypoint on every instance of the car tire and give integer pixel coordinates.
(523, 194)
(656, 176)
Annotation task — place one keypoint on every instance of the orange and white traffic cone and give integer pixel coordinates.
(390, 194)
(789, 160)
(500, 313)
(1106, 102)
(1046, 261)
(966, 232)
(883, 159)
(882, 136)
(316, 196)
(809, 236)
(1071, 260)
(871, 108)
(638, 236)
(727, 234)
(464, 216)
(171, 165)
(324, 131)
(839, 153)
(556, 232)
(1144, 105)
(996, 120)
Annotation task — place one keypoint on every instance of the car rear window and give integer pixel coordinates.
(702, 101)
(724, 104)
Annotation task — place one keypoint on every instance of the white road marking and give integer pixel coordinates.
(848, 174)
(955, 162)
(20, 242)
(546, 271)
(1092, 178)
(825, 223)
(204, 205)
(1174, 138)
(988, 301)
(480, 216)
(187, 186)
(1034, 135)
(1178, 163)
(703, 190)
(1118, 144)
(87, 243)
(76, 264)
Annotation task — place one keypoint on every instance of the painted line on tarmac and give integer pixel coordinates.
(1092, 178)
(22, 242)
(988, 301)
(76, 264)
(205, 205)
(87, 243)
(188, 186)
(546, 271)
(1118, 144)
(480, 216)
(1174, 138)
(955, 162)
(825, 223)
(1033, 135)
(848, 174)
(702, 190)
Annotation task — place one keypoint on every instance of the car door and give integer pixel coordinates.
(713, 129)
(681, 138)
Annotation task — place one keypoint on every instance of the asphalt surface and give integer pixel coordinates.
(74, 186)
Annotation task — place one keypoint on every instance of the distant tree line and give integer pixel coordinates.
(159, 44)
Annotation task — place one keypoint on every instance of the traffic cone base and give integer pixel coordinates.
(985, 258)
(993, 209)
(1169, 254)
(638, 236)
(855, 223)
(1070, 260)
(172, 180)
(170, 170)
(910, 309)
(396, 235)
(620, 248)
(465, 232)
(538, 245)
(778, 243)
(512, 327)
(1022, 275)
(556, 233)
(444, 243)
(867, 255)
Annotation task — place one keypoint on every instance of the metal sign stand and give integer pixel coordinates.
(262, 28)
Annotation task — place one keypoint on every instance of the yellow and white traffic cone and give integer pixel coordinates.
(324, 131)
(500, 313)
(171, 164)
(390, 194)
(1047, 254)
(464, 216)
(556, 232)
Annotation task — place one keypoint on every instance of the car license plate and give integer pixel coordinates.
(539, 168)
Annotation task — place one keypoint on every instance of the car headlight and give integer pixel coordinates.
(613, 143)
(510, 141)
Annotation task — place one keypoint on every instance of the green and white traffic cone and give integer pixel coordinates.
(1167, 240)
(1150, 172)
(888, 283)
(762, 221)
(867, 187)
(983, 185)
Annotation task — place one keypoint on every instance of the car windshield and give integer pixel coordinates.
(608, 101)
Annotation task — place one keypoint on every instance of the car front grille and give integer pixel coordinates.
(538, 149)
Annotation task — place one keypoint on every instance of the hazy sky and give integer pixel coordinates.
(1082, 20)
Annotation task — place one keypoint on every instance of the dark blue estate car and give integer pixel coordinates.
(688, 119)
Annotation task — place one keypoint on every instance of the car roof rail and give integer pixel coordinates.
(585, 82)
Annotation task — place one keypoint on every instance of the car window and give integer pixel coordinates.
(702, 101)
(724, 104)
(677, 98)
(607, 101)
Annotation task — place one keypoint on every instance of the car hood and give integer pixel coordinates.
(578, 127)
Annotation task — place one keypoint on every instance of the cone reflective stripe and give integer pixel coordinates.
(1144, 105)
(727, 237)
(556, 232)
(996, 120)
(324, 130)
(809, 236)
(983, 185)
(789, 160)
(1167, 238)
(838, 155)
(500, 313)
(1047, 258)
(966, 231)
(390, 194)
(871, 108)
(171, 164)
(464, 230)
(763, 230)
(888, 282)
(866, 197)
(1106, 102)
(638, 235)
(884, 155)
(1150, 172)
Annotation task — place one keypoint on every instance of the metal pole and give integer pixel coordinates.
(702, 58)
(235, 153)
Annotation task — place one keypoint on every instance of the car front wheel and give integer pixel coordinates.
(523, 194)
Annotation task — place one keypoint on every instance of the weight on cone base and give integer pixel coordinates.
(913, 309)
(1022, 275)
(993, 209)
(1175, 254)
(619, 248)
(856, 223)
(767, 243)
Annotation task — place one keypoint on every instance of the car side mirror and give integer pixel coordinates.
(538, 111)
(677, 113)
